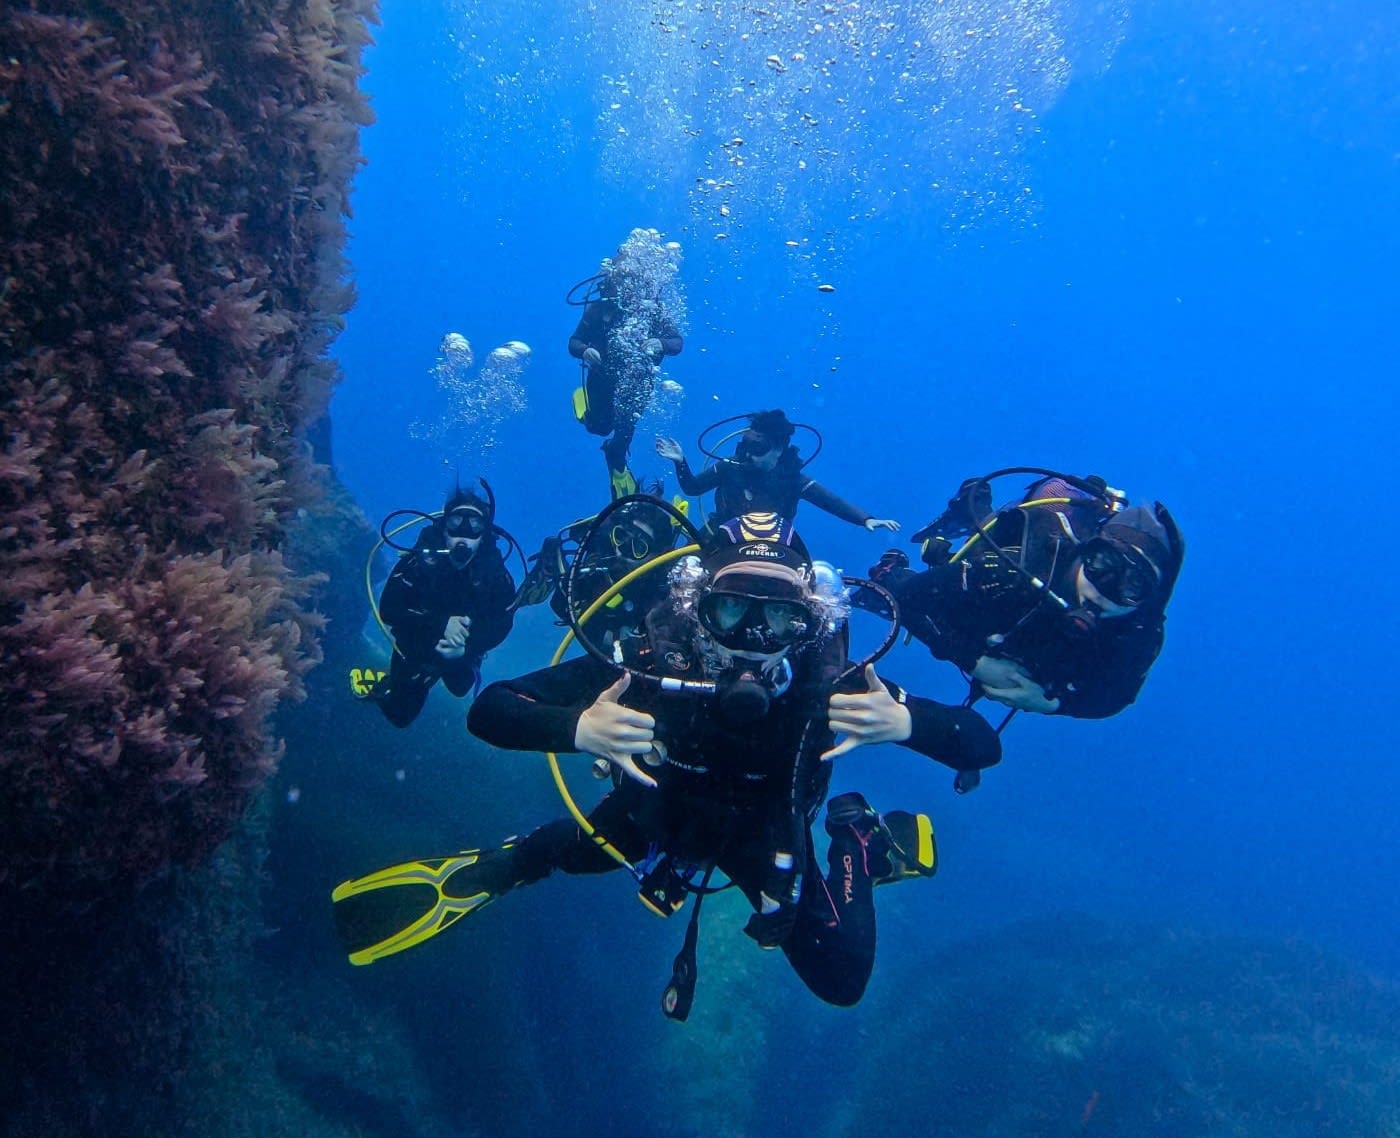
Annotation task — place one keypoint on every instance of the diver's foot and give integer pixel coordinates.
(897, 845)
(913, 852)
(622, 482)
(368, 683)
(374, 919)
(890, 561)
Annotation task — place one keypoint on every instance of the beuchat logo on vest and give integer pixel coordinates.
(762, 550)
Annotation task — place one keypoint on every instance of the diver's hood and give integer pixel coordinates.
(762, 568)
(1153, 533)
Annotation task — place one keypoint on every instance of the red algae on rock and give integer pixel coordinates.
(175, 179)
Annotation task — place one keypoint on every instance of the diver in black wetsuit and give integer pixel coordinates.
(447, 603)
(1060, 609)
(625, 332)
(732, 778)
(638, 530)
(764, 476)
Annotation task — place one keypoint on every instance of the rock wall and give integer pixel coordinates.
(174, 179)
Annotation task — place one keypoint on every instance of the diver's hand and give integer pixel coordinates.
(592, 357)
(1009, 684)
(616, 733)
(867, 717)
(669, 448)
(453, 643)
(654, 349)
(872, 524)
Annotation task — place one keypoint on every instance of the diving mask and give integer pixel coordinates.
(464, 522)
(745, 623)
(631, 542)
(1124, 576)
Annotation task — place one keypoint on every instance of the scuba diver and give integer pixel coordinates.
(1054, 604)
(631, 321)
(638, 531)
(447, 602)
(718, 722)
(766, 472)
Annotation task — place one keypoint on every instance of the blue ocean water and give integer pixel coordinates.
(1172, 266)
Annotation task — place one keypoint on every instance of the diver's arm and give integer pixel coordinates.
(406, 607)
(666, 332)
(957, 737)
(880, 711)
(493, 617)
(539, 711)
(592, 331)
(814, 492)
(694, 484)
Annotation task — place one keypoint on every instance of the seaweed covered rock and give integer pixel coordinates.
(175, 178)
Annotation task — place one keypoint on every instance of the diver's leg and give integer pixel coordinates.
(832, 944)
(562, 845)
(462, 675)
(621, 481)
(600, 390)
(404, 691)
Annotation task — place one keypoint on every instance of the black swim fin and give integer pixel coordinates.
(396, 908)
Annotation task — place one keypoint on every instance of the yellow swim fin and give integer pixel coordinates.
(365, 681)
(396, 908)
(623, 483)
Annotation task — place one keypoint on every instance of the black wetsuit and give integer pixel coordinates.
(628, 370)
(422, 592)
(981, 606)
(742, 488)
(731, 795)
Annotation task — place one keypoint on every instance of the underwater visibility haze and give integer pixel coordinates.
(1154, 242)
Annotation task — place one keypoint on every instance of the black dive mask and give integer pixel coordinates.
(1123, 576)
(464, 522)
(631, 542)
(744, 623)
